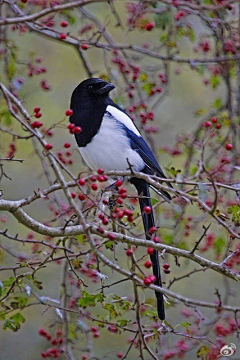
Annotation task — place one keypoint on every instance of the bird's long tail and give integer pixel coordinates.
(148, 222)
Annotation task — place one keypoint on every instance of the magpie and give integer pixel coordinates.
(111, 141)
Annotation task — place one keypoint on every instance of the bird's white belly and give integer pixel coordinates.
(110, 149)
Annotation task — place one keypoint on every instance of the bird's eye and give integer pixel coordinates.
(90, 87)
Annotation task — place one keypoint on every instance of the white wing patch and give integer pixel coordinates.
(110, 149)
(123, 118)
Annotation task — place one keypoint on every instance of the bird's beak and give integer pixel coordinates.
(105, 89)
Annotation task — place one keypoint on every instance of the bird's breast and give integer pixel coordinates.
(110, 149)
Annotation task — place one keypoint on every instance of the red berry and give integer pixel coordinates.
(112, 329)
(166, 271)
(150, 250)
(81, 182)
(148, 264)
(94, 187)
(96, 334)
(119, 201)
(229, 146)
(77, 130)
(43, 354)
(207, 124)
(82, 197)
(105, 221)
(100, 171)
(152, 230)
(147, 281)
(166, 266)
(84, 46)
(64, 23)
(218, 126)
(128, 212)
(130, 218)
(129, 252)
(36, 124)
(37, 115)
(37, 109)
(71, 126)
(122, 191)
(67, 145)
(93, 178)
(63, 36)
(94, 329)
(147, 209)
(69, 112)
(73, 195)
(48, 146)
(120, 214)
(152, 278)
(102, 178)
(150, 26)
(214, 120)
(42, 332)
(120, 355)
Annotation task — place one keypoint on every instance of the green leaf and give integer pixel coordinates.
(72, 332)
(154, 201)
(2, 315)
(215, 81)
(77, 264)
(14, 323)
(99, 298)
(150, 313)
(19, 302)
(38, 284)
(235, 211)
(143, 77)
(173, 171)
(89, 299)
(122, 322)
(111, 309)
(11, 68)
(9, 281)
(81, 239)
(203, 352)
(5, 116)
(163, 19)
(186, 325)
(219, 245)
(109, 245)
(148, 87)
(86, 300)
(71, 19)
(168, 239)
(217, 104)
(200, 112)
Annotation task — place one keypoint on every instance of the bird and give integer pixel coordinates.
(110, 140)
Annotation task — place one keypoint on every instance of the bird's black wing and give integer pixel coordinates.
(140, 146)
(152, 167)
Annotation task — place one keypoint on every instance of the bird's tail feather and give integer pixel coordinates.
(148, 222)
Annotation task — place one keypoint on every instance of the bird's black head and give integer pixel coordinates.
(93, 88)
(89, 101)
